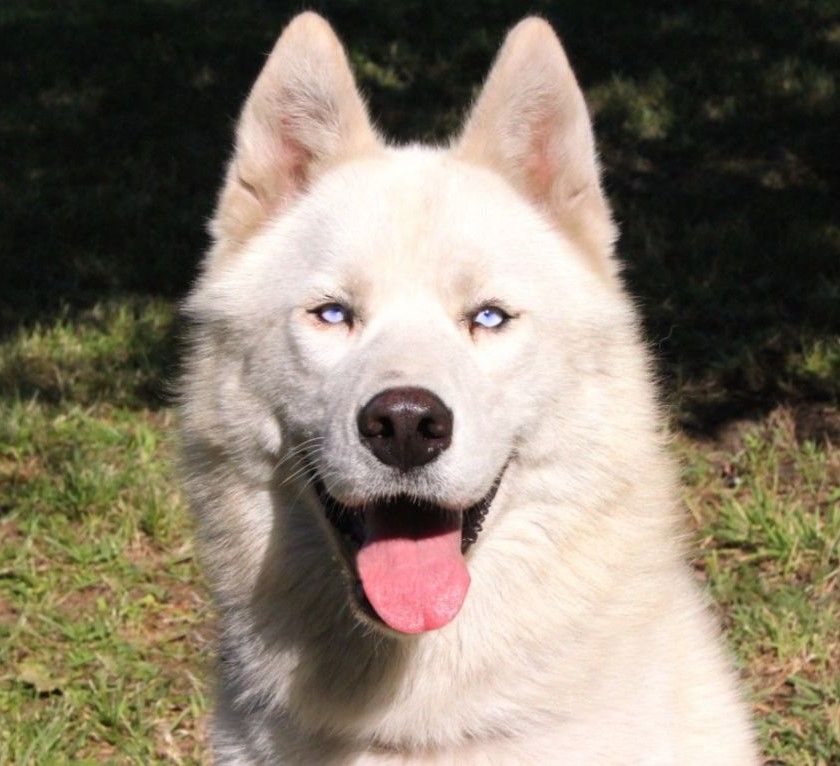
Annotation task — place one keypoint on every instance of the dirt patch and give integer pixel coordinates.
(83, 600)
(818, 423)
(8, 614)
(183, 743)
(98, 751)
(143, 553)
(10, 533)
(730, 437)
(19, 470)
(179, 614)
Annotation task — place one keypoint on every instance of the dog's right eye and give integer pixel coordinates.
(333, 313)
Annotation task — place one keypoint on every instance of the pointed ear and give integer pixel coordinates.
(303, 115)
(531, 124)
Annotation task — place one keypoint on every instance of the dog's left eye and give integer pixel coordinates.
(490, 317)
(334, 313)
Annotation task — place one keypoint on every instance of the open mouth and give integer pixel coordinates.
(407, 555)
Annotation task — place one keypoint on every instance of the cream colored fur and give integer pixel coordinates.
(583, 638)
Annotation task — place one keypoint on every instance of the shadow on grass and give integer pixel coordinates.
(717, 125)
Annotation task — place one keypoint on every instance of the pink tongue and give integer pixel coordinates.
(416, 580)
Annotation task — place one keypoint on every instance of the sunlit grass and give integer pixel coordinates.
(767, 508)
(113, 352)
(102, 618)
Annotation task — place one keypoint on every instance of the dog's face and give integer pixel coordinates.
(402, 325)
(393, 310)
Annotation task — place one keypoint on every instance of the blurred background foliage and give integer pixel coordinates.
(717, 124)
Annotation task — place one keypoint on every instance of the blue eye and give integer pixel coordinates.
(333, 313)
(490, 317)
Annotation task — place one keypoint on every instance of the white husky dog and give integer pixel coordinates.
(422, 445)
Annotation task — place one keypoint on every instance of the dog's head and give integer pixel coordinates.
(401, 325)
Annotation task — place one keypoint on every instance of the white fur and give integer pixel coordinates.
(583, 639)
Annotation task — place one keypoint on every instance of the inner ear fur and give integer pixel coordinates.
(302, 116)
(530, 124)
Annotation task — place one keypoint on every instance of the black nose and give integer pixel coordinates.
(405, 427)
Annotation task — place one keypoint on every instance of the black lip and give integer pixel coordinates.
(349, 523)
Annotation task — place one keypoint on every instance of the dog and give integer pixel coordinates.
(422, 445)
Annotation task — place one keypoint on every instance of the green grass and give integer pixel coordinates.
(766, 503)
(103, 621)
(717, 127)
(101, 614)
(103, 627)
